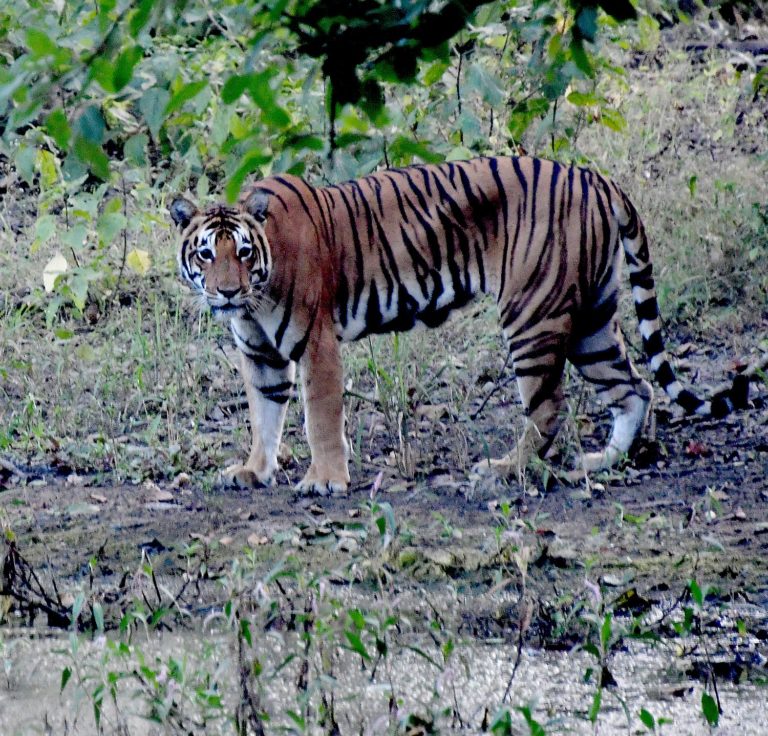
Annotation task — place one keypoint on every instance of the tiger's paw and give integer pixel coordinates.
(242, 476)
(323, 481)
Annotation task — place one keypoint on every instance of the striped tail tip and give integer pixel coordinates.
(736, 397)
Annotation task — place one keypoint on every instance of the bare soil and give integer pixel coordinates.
(694, 504)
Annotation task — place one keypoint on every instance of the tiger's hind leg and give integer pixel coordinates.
(538, 363)
(601, 358)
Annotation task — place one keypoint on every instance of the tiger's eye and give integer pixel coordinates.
(206, 254)
(244, 252)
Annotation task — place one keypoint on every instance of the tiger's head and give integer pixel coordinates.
(224, 254)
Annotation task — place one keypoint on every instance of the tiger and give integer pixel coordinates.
(296, 270)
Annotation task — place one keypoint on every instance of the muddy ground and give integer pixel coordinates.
(693, 504)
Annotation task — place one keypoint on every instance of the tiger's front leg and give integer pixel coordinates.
(269, 383)
(322, 387)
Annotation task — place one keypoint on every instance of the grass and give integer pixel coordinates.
(148, 391)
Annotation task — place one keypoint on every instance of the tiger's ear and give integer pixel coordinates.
(182, 211)
(257, 204)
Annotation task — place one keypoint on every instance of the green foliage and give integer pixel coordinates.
(253, 81)
(709, 709)
(158, 96)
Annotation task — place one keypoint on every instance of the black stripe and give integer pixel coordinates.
(689, 401)
(301, 345)
(284, 322)
(598, 356)
(642, 278)
(647, 310)
(665, 376)
(653, 345)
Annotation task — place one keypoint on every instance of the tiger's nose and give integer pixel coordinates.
(228, 293)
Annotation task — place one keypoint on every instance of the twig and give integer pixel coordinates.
(458, 95)
(498, 385)
(124, 256)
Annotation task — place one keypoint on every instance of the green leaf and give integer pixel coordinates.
(63, 334)
(760, 82)
(403, 150)
(586, 22)
(233, 88)
(582, 99)
(524, 113)
(91, 125)
(308, 142)
(186, 93)
(103, 71)
(612, 119)
(245, 631)
(122, 73)
(605, 631)
(152, 106)
(24, 158)
(135, 149)
(75, 237)
(57, 126)
(139, 260)
(77, 606)
(597, 701)
(39, 44)
(357, 618)
(485, 84)
(435, 73)
(692, 181)
(502, 723)
(581, 58)
(252, 162)
(696, 593)
(534, 727)
(647, 719)
(78, 288)
(66, 675)
(45, 227)
(709, 709)
(140, 17)
(46, 164)
(109, 225)
(98, 616)
(260, 91)
(356, 644)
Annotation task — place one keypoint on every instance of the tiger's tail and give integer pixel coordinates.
(637, 256)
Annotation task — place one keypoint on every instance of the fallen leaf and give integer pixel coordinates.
(99, 498)
(139, 261)
(257, 540)
(697, 449)
(53, 269)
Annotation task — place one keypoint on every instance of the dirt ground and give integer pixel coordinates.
(694, 504)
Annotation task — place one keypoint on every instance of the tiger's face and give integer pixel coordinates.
(224, 254)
